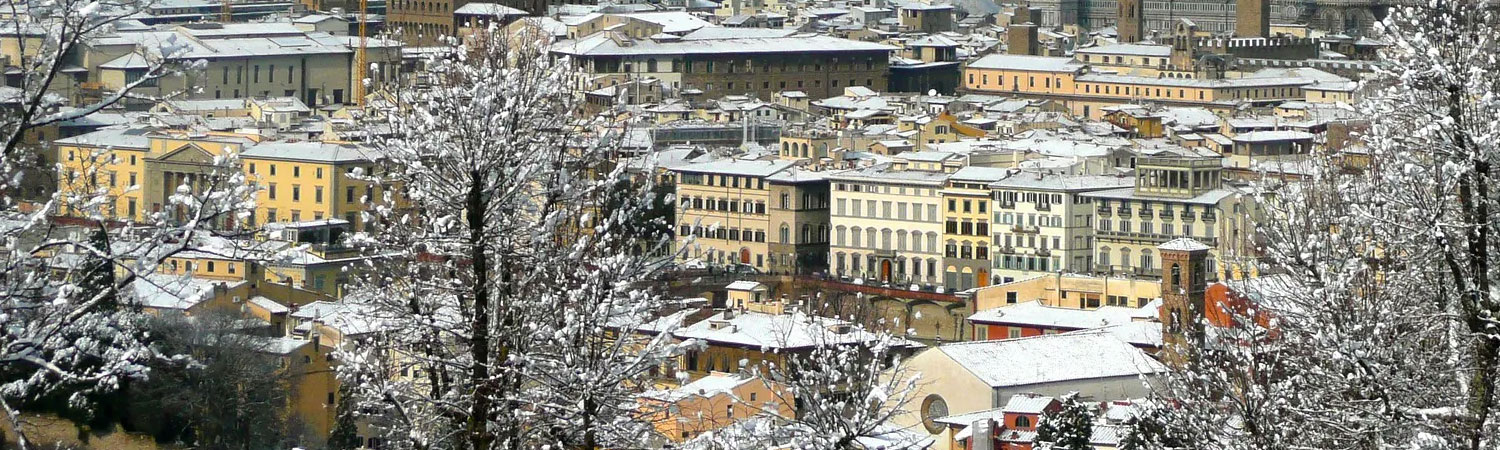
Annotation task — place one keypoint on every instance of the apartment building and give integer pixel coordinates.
(888, 224)
(966, 227)
(1173, 197)
(139, 168)
(926, 17)
(716, 62)
(1086, 93)
(799, 212)
(1044, 223)
(240, 60)
(311, 181)
(724, 212)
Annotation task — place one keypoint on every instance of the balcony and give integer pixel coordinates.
(1124, 212)
(1145, 213)
(1187, 216)
(1007, 250)
(1210, 216)
(1043, 206)
(1043, 252)
(1104, 211)
(1005, 205)
(1025, 229)
(1165, 215)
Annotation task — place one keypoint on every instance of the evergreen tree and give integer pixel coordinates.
(97, 274)
(343, 436)
(1067, 429)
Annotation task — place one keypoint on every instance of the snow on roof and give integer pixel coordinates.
(1272, 136)
(601, 44)
(1278, 292)
(753, 168)
(774, 331)
(925, 6)
(927, 156)
(744, 285)
(172, 291)
(1140, 333)
(671, 21)
(981, 174)
(1128, 49)
(1051, 358)
(1191, 117)
(883, 173)
(230, 42)
(488, 9)
(269, 305)
(1062, 182)
(1027, 404)
(278, 345)
(1027, 63)
(349, 318)
(114, 137)
(1034, 313)
(309, 151)
(708, 386)
(1194, 82)
(707, 33)
(799, 175)
(1184, 244)
(933, 41)
(128, 61)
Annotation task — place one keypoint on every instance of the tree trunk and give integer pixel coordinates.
(479, 326)
(1473, 197)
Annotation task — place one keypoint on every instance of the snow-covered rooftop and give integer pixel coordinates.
(1034, 313)
(1051, 358)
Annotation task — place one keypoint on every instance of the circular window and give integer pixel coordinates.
(933, 408)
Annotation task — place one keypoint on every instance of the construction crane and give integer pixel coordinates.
(361, 66)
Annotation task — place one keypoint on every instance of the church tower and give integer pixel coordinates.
(1184, 280)
(1130, 20)
(1252, 18)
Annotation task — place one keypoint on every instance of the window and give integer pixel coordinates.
(296, 193)
(296, 171)
(318, 194)
(271, 191)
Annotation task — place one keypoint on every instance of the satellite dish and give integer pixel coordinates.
(932, 92)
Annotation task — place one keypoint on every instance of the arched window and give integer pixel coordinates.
(786, 234)
(1023, 422)
(1147, 263)
(823, 234)
(806, 234)
(1104, 256)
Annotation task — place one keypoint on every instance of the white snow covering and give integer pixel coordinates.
(1034, 313)
(1051, 358)
(771, 331)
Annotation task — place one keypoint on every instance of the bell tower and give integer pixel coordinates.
(1130, 20)
(1184, 280)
